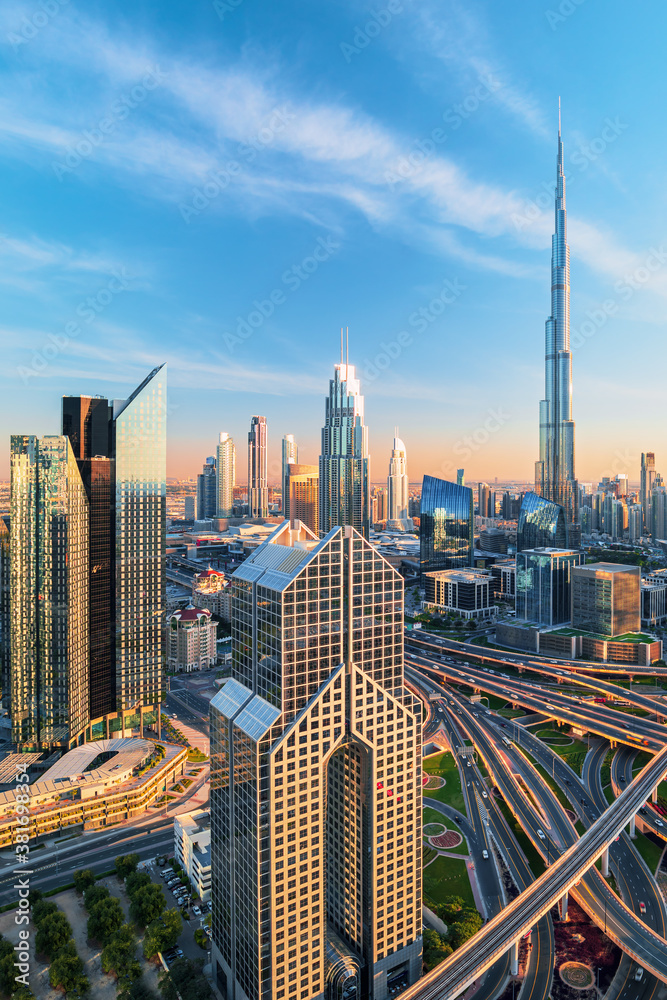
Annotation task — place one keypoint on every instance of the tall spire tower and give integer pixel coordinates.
(554, 472)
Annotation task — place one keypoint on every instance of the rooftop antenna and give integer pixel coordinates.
(559, 117)
(341, 345)
(347, 349)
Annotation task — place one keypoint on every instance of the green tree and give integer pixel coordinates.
(83, 879)
(147, 905)
(135, 882)
(138, 990)
(94, 895)
(436, 948)
(23, 993)
(462, 930)
(119, 954)
(163, 933)
(42, 909)
(53, 935)
(186, 977)
(126, 864)
(201, 938)
(67, 973)
(7, 967)
(105, 919)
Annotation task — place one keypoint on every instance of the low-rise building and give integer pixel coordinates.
(211, 589)
(466, 591)
(191, 640)
(95, 785)
(654, 599)
(192, 848)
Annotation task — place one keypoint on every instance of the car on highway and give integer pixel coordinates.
(642, 907)
(540, 834)
(622, 778)
(639, 974)
(485, 855)
(485, 795)
(659, 822)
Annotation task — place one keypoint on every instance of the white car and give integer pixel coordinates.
(485, 855)
(196, 911)
(540, 834)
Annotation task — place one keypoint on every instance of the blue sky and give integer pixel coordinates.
(176, 175)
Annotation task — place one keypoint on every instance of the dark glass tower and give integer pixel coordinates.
(87, 554)
(554, 471)
(345, 497)
(541, 524)
(87, 424)
(446, 534)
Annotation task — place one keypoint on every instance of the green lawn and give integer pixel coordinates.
(650, 852)
(511, 713)
(433, 816)
(447, 877)
(428, 853)
(444, 765)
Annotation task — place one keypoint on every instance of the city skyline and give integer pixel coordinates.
(353, 202)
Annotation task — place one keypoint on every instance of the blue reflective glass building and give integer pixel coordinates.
(446, 537)
(542, 524)
(543, 585)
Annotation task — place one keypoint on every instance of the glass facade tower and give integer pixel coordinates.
(446, 532)
(606, 598)
(397, 482)
(49, 593)
(290, 456)
(315, 777)
(541, 524)
(258, 486)
(345, 497)
(543, 585)
(225, 470)
(105, 478)
(554, 471)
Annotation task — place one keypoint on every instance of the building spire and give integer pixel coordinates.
(559, 117)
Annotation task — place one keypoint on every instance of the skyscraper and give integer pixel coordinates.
(446, 536)
(5, 644)
(543, 584)
(258, 487)
(541, 524)
(646, 481)
(397, 482)
(225, 470)
(484, 500)
(49, 593)
(88, 535)
(554, 471)
(344, 459)
(460, 477)
(304, 495)
(290, 456)
(315, 777)
(207, 501)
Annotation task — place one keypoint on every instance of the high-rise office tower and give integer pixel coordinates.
(658, 513)
(554, 471)
(381, 508)
(446, 535)
(543, 584)
(460, 477)
(290, 456)
(484, 500)
(207, 501)
(315, 777)
(304, 495)
(88, 535)
(397, 482)
(606, 598)
(225, 470)
(258, 487)
(344, 459)
(49, 593)
(635, 521)
(541, 524)
(647, 478)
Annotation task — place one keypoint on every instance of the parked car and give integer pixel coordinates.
(196, 910)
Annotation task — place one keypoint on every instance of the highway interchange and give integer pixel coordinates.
(635, 919)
